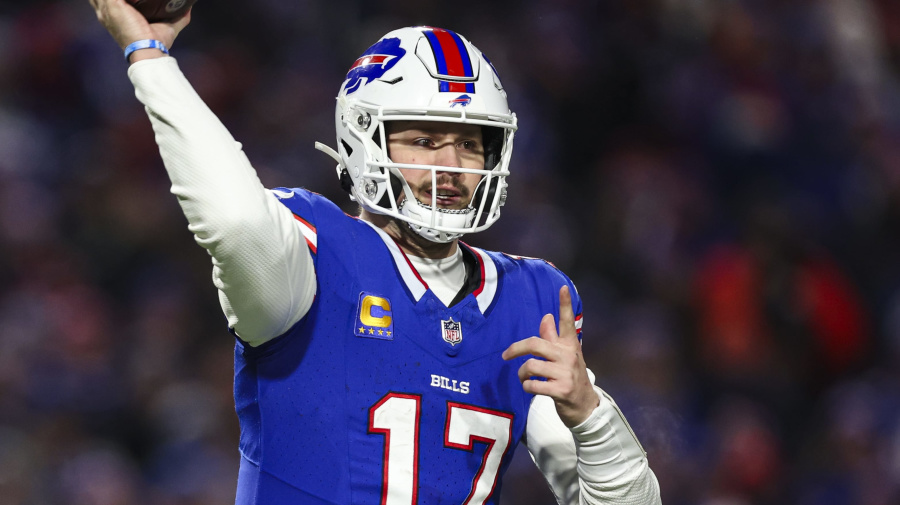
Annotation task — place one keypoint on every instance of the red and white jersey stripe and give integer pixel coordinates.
(309, 233)
(487, 290)
(414, 282)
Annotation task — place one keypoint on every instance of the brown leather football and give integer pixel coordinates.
(158, 11)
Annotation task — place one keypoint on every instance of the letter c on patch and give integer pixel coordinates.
(375, 312)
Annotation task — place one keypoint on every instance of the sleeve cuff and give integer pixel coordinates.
(142, 66)
(605, 444)
(594, 419)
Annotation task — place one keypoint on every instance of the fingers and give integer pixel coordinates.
(168, 32)
(566, 315)
(536, 368)
(122, 20)
(557, 369)
(547, 329)
(542, 346)
(98, 10)
(538, 387)
(530, 346)
(183, 21)
(565, 381)
(566, 320)
(556, 362)
(127, 25)
(544, 378)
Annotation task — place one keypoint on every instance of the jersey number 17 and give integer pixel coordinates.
(396, 417)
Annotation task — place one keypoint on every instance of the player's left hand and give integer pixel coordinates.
(563, 365)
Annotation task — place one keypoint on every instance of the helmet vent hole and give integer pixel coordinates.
(347, 147)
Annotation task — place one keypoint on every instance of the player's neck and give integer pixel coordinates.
(411, 242)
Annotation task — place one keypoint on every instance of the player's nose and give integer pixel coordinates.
(448, 156)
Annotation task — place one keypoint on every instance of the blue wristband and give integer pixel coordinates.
(145, 44)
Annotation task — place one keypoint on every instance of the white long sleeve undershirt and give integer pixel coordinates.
(258, 253)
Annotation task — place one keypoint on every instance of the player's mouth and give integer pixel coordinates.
(445, 196)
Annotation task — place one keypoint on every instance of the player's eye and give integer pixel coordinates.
(470, 145)
(423, 142)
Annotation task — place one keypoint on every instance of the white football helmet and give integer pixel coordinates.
(421, 74)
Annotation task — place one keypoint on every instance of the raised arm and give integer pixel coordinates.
(261, 264)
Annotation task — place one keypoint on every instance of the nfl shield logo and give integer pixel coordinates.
(452, 331)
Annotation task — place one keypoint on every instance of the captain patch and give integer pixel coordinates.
(374, 318)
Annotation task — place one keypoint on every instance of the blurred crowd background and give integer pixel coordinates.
(721, 178)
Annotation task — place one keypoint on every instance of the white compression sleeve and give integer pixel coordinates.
(597, 462)
(261, 263)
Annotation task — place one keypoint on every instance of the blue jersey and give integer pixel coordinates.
(381, 394)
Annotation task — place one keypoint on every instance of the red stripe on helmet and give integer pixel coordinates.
(454, 61)
(369, 60)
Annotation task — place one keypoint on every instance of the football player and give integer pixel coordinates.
(379, 359)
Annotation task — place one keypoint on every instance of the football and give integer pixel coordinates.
(161, 11)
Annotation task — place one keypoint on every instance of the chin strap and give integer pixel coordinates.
(346, 181)
(445, 217)
(330, 152)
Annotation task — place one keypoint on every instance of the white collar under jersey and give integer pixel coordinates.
(484, 293)
(445, 276)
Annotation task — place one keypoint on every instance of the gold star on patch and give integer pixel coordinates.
(371, 331)
(361, 329)
(389, 334)
(381, 332)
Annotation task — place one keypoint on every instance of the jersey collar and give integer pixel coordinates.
(487, 287)
(484, 292)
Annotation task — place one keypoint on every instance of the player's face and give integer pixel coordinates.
(438, 144)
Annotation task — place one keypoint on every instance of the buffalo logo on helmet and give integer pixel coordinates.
(461, 100)
(373, 64)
